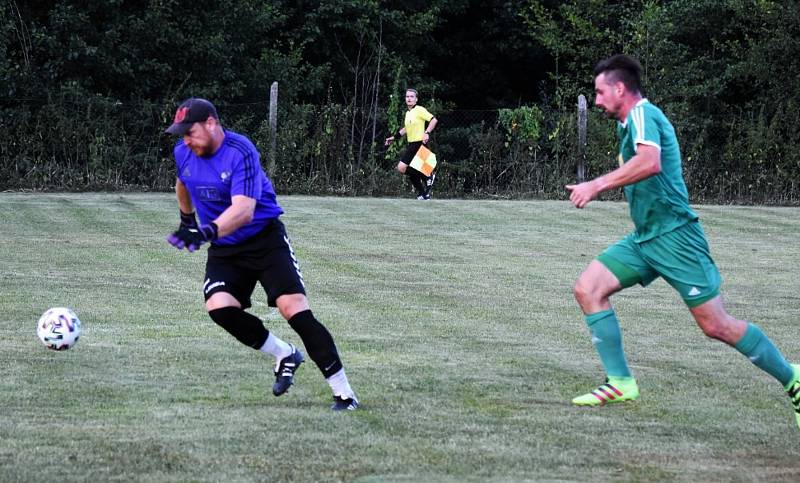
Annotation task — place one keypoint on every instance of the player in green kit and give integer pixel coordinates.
(668, 242)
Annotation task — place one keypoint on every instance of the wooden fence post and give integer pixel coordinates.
(273, 128)
(582, 122)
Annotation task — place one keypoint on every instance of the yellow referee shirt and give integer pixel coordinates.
(415, 123)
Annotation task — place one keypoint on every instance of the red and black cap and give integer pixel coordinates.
(189, 112)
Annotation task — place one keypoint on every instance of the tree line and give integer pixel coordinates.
(87, 87)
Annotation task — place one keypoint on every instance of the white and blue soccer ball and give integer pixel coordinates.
(59, 328)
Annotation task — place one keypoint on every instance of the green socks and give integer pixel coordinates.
(607, 338)
(763, 353)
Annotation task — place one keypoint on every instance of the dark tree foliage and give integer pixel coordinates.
(87, 87)
(724, 72)
(484, 56)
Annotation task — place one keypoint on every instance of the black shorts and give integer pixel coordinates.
(266, 258)
(410, 152)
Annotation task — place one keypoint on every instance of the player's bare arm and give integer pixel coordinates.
(189, 235)
(646, 163)
(184, 199)
(400, 133)
(237, 215)
(427, 135)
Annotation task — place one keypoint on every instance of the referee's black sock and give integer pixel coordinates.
(416, 180)
(248, 329)
(318, 342)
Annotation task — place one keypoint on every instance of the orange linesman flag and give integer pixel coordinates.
(424, 161)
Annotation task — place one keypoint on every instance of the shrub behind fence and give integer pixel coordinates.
(70, 142)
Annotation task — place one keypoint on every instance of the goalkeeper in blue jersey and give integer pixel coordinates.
(220, 176)
(667, 241)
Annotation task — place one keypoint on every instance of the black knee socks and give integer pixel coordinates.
(248, 329)
(417, 179)
(318, 342)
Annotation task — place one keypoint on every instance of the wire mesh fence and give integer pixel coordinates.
(78, 143)
(72, 142)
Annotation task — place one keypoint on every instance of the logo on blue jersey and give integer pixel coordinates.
(185, 172)
(208, 193)
(224, 176)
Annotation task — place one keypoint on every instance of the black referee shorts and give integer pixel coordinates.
(266, 258)
(410, 152)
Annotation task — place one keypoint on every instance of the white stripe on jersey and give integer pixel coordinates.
(637, 116)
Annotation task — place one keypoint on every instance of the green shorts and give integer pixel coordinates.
(681, 257)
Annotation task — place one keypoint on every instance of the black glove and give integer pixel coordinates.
(192, 238)
(189, 221)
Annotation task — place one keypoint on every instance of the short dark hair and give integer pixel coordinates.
(622, 68)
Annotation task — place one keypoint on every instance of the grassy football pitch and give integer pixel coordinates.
(455, 321)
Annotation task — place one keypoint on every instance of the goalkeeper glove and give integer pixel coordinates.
(189, 221)
(192, 238)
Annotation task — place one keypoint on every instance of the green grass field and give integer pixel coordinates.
(457, 326)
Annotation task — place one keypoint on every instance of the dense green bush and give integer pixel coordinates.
(76, 141)
(80, 142)
(86, 90)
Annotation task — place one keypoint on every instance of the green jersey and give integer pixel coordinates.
(660, 203)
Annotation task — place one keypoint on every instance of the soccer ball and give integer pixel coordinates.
(59, 328)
